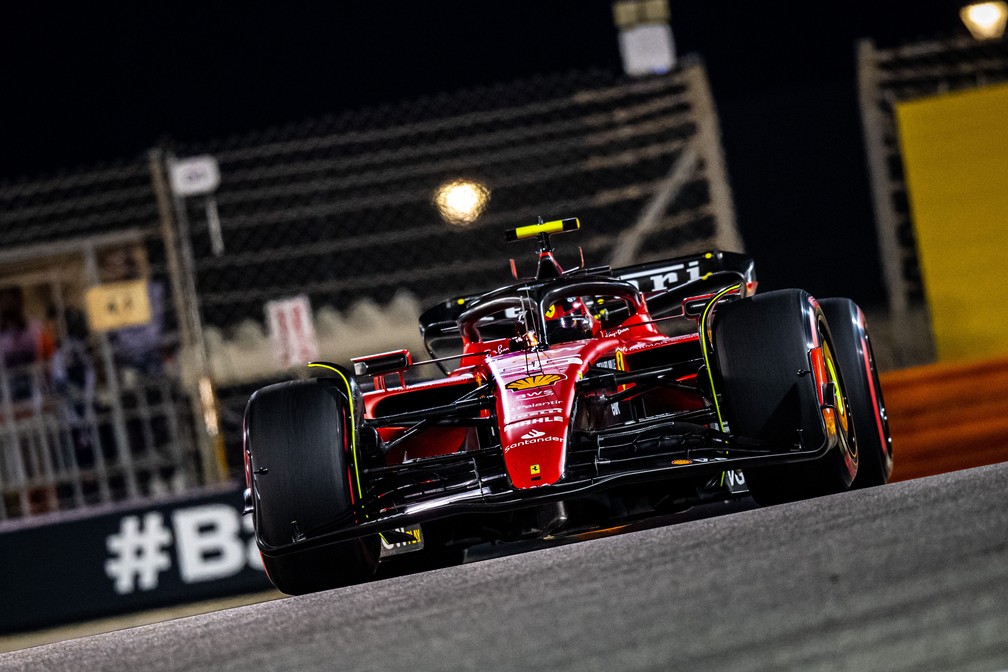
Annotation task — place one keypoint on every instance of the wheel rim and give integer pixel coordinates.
(847, 443)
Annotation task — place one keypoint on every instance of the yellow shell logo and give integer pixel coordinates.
(530, 382)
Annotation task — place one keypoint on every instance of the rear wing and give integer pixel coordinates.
(655, 277)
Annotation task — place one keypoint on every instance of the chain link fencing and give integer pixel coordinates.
(87, 417)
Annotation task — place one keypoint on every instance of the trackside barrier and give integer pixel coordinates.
(121, 560)
(949, 416)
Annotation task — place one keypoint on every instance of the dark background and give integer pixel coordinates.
(82, 85)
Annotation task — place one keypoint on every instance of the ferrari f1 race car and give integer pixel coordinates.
(568, 401)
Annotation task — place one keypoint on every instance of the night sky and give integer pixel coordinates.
(84, 85)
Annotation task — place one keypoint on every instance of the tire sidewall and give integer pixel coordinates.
(857, 363)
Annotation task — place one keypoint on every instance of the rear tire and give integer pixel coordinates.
(298, 438)
(761, 346)
(857, 364)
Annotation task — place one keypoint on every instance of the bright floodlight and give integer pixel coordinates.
(985, 20)
(461, 201)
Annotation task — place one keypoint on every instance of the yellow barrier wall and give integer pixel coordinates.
(955, 155)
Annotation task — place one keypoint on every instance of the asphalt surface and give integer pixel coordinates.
(910, 576)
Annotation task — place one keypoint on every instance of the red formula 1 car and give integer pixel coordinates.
(575, 399)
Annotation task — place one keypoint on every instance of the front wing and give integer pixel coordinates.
(473, 482)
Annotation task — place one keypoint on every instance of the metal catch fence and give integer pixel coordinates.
(343, 210)
(87, 416)
(887, 77)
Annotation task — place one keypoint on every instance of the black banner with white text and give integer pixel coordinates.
(127, 559)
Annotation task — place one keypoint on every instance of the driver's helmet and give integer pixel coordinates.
(568, 320)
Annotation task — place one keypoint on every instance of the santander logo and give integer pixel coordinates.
(533, 434)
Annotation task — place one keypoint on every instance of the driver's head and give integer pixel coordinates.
(568, 320)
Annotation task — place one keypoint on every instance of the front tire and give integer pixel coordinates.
(762, 347)
(857, 362)
(299, 444)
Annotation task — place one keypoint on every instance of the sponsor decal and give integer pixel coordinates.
(680, 463)
(401, 540)
(529, 442)
(532, 414)
(545, 392)
(533, 434)
(658, 279)
(553, 359)
(540, 404)
(538, 380)
(534, 470)
(535, 421)
(735, 480)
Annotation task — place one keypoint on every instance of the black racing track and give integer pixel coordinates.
(910, 576)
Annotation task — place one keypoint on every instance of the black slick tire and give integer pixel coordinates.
(298, 439)
(762, 347)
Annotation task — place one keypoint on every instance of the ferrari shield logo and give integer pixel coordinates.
(531, 382)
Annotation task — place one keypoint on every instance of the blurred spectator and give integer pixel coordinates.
(136, 348)
(73, 378)
(49, 339)
(21, 344)
(72, 370)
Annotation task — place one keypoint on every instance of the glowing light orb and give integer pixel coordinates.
(461, 202)
(985, 20)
